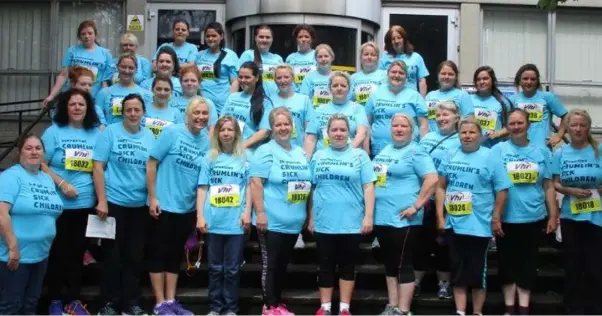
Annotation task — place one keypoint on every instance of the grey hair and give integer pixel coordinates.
(407, 117)
(338, 117)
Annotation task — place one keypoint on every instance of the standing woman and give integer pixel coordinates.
(529, 168)
(280, 203)
(261, 56)
(394, 98)
(120, 158)
(540, 105)
(251, 107)
(449, 90)
(473, 186)
(577, 172)
(190, 77)
(223, 206)
(217, 65)
(369, 78)
(303, 60)
(338, 224)
(185, 51)
(490, 106)
(129, 45)
(27, 228)
(315, 84)
(172, 174)
(167, 67)
(398, 47)
(405, 181)
(317, 129)
(69, 147)
(109, 100)
(80, 78)
(160, 115)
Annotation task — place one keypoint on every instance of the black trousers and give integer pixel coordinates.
(276, 251)
(166, 239)
(431, 251)
(123, 257)
(337, 250)
(397, 246)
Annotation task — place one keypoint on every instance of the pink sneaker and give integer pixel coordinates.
(270, 311)
(88, 258)
(323, 311)
(345, 312)
(284, 311)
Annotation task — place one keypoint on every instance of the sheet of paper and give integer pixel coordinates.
(99, 228)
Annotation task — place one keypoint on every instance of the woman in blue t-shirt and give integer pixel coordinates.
(315, 84)
(303, 60)
(338, 224)
(129, 45)
(29, 206)
(190, 77)
(167, 67)
(223, 208)
(186, 52)
(159, 114)
(280, 182)
(490, 106)
(120, 157)
(69, 145)
(577, 173)
(529, 168)
(472, 184)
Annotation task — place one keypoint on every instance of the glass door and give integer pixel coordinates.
(433, 32)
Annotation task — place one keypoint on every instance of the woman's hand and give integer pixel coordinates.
(14, 255)
(245, 220)
(408, 212)
(102, 209)
(68, 190)
(367, 225)
(201, 225)
(261, 222)
(154, 209)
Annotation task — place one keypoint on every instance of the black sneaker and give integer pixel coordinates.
(108, 309)
(134, 310)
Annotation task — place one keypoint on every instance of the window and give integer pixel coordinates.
(238, 41)
(367, 37)
(511, 40)
(197, 19)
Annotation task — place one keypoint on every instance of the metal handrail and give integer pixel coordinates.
(19, 102)
(14, 143)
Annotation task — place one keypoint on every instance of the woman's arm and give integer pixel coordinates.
(424, 125)
(201, 195)
(439, 201)
(369, 208)
(576, 192)
(98, 176)
(423, 87)
(552, 206)
(58, 85)
(256, 138)
(65, 187)
(151, 180)
(360, 135)
(429, 185)
(257, 198)
(6, 230)
(310, 145)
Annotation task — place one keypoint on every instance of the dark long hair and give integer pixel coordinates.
(133, 96)
(495, 91)
(527, 67)
(174, 58)
(454, 67)
(408, 48)
(258, 97)
(256, 52)
(61, 117)
(217, 27)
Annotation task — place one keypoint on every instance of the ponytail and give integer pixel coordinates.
(256, 52)
(217, 65)
(258, 97)
(502, 99)
(594, 144)
(217, 27)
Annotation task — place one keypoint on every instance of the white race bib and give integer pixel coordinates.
(225, 195)
(487, 119)
(381, 174)
(298, 191)
(522, 172)
(458, 203)
(78, 160)
(363, 91)
(321, 96)
(116, 107)
(156, 125)
(206, 71)
(94, 70)
(301, 72)
(432, 109)
(268, 72)
(535, 111)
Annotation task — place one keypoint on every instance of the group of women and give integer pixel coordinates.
(222, 143)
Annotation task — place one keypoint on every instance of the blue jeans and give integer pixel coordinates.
(20, 290)
(225, 255)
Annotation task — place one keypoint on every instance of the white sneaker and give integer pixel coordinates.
(300, 244)
(375, 243)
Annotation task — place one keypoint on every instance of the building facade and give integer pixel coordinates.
(504, 34)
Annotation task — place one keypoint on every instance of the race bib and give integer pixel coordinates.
(487, 119)
(268, 72)
(586, 205)
(522, 172)
(325, 138)
(301, 72)
(94, 71)
(294, 131)
(156, 125)
(206, 71)
(115, 78)
(381, 175)
(534, 110)
(78, 160)
(432, 109)
(225, 195)
(321, 96)
(458, 203)
(298, 191)
(363, 91)
(116, 106)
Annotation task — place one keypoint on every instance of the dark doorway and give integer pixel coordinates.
(428, 33)
(197, 19)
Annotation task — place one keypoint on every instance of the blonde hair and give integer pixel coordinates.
(129, 38)
(339, 74)
(281, 110)
(364, 46)
(238, 149)
(193, 103)
(408, 118)
(588, 121)
(399, 63)
(287, 67)
(452, 107)
(327, 48)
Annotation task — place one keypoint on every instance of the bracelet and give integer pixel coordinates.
(60, 183)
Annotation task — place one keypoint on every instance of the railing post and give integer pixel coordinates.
(20, 122)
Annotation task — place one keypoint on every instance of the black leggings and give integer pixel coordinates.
(123, 256)
(276, 251)
(65, 262)
(166, 238)
(335, 250)
(582, 242)
(432, 242)
(396, 245)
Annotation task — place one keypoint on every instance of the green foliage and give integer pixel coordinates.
(550, 4)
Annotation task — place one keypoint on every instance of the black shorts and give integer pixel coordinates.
(166, 238)
(468, 258)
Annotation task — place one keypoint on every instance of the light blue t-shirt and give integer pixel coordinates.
(156, 120)
(301, 109)
(315, 86)
(186, 52)
(416, 67)
(526, 167)
(217, 88)
(540, 107)
(459, 97)
(303, 63)
(181, 103)
(318, 122)
(399, 174)
(363, 84)
(99, 61)
(239, 106)
(34, 208)
(109, 102)
(226, 179)
(180, 155)
(338, 198)
(69, 154)
(125, 156)
(488, 114)
(269, 62)
(143, 70)
(177, 86)
(579, 168)
(382, 105)
(286, 187)
(472, 182)
(437, 145)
